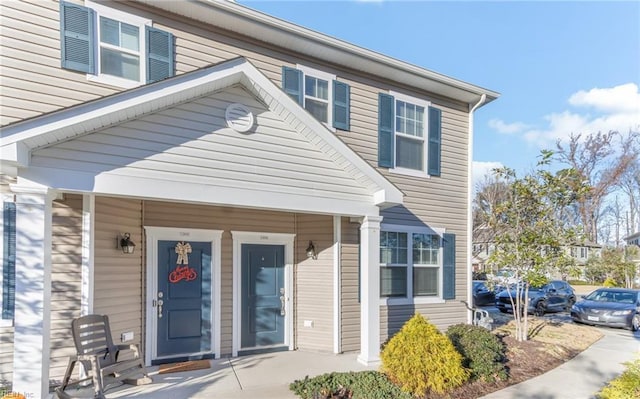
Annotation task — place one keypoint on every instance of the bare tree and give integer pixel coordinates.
(630, 185)
(601, 160)
(490, 193)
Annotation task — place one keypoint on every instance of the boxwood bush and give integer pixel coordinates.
(482, 352)
(420, 359)
(354, 385)
(626, 386)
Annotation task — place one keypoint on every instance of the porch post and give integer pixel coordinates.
(370, 290)
(31, 349)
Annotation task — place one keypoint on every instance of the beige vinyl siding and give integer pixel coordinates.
(349, 283)
(190, 143)
(66, 279)
(32, 80)
(314, 283)
(392, 318)
(163, 214)
(118, 277)
(437, 202)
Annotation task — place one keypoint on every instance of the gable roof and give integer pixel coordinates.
(237, 18)
(19, 140)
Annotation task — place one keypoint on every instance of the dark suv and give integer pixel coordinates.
(555, 296)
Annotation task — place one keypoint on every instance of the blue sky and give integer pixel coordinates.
(561, 67)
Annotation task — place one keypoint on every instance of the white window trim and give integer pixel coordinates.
(423, 103)
(410, 299)
(104, 11)
(5, 198)
(316, 73)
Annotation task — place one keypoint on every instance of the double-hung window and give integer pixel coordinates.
(119, 52)
(416, 265)
(112, 46)
(324, 97)
(409, 134)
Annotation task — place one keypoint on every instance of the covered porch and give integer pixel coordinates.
(220, 159)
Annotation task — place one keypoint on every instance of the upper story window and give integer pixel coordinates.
(583, 252)
(114, 47)
(320, 94)
(119, 49)
(416, 264)
(409, 134)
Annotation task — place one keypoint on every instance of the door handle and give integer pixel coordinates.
(159, 302)
(282, 302)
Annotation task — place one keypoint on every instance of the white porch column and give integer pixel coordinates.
(33, 292)
(370, 290)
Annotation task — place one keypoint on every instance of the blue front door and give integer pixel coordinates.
(262, 288)
(183, 298)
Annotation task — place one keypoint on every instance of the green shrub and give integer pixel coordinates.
(482, 352)
(421, 359)
(609, 282)
(626, 386)
(355, 385)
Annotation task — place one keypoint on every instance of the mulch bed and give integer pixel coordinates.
(525, 360)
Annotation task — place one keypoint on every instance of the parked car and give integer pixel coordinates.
(614, 307)
(482, 295)
(555, 296)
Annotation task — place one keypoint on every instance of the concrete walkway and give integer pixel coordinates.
(257, 376)
(584, 375)
(268, 375)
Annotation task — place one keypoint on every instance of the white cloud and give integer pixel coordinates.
(507, 128)
(620, 99)
(482, 169)
(596, 110)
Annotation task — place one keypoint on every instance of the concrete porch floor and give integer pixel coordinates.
(255, 376)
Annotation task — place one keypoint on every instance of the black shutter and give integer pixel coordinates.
(9, 261)
(386, 130)
(160, 54)
(77, 37)
(292, 83)
(340, 105)
(435, 134)
(449, 266)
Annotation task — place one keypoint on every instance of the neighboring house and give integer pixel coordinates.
(483, 246)
(283, 189)
(633, 239)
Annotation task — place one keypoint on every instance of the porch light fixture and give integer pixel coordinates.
(126, 244)
(311, 251)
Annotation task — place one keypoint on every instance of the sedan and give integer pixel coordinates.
(614, 307)
(482, 295)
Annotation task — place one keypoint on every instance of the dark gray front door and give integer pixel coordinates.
(184, 298)
(262, 286)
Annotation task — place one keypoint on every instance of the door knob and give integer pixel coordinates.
(160, 302)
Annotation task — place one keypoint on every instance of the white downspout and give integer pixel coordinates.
(483, 98)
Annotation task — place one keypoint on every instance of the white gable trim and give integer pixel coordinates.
(85, 118)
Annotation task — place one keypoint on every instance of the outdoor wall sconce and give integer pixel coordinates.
(126, 244)
(311, 251)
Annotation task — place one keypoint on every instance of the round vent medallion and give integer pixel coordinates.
(238, 117)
